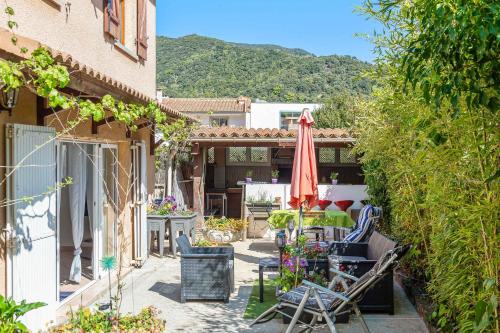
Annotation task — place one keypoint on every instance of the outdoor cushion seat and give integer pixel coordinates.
(365, 224)
(295, 295)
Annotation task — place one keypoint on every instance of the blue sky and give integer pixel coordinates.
(322, 27)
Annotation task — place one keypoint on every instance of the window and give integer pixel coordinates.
(327, 155)
(259, 154)
(124, 21)
(289, 119)
(347, 156)
(248, 156)
(237, 155)
(218, 121)
(337, 156)
(211, 155)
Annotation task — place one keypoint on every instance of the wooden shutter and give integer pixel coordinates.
(112, 18)
(142, 35)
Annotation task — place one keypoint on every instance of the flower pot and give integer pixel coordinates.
(323, 204)
(334, 181)
(274, 180)
(248, 179)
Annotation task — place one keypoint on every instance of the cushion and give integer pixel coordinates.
(184, 245)
(296, 295)
(365, 224)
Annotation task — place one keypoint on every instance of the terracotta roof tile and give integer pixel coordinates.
(240, 104)
(257, 133)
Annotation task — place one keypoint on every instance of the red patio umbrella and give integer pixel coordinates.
(304, 185)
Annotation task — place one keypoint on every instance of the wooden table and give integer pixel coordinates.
(174, 224)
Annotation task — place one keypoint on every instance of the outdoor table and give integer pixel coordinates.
(268, 265)
(174, 223)
(331, 218)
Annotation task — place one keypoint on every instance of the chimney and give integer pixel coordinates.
(159, 95)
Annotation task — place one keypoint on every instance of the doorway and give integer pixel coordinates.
(87, 213)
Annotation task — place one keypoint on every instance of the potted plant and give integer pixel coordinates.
(248, 176)
(333, 177)
(224, 230)
(274, 176)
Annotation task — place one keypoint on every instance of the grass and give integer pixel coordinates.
(254, 307)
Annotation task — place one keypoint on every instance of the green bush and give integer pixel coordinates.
(225, 224)
(84, 320)
(429, 144)
(11, 311)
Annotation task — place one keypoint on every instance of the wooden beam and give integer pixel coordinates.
(152, 140)
(96, 124)
(43, 110)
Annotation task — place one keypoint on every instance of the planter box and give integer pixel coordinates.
(258, 226)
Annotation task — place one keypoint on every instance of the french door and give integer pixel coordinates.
(139, 201)
(107, 202)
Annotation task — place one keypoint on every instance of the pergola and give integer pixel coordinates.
(221, 138)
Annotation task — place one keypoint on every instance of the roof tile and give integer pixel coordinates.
(240, 104)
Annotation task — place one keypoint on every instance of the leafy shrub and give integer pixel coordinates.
(202, 242)
(225, 224)
(430, 133)
(84, 320)
(10, 312)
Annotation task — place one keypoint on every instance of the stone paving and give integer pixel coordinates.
(158, 283)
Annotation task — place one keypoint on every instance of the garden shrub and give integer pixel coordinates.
(429, 144)
(84, 320)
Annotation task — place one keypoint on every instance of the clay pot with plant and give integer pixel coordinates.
(248, 176)
(333, 177)
(274, 176)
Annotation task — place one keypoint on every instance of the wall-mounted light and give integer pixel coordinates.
(8, 99)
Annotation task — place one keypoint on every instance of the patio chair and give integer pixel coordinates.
(324, 303)
(207, 273)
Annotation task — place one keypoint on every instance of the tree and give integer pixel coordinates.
(338, 111)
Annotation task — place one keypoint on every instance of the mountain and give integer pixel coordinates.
(197, 66)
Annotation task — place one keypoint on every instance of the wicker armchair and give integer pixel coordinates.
(207, 273)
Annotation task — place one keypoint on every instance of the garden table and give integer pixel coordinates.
(268, 265)
(332, 218)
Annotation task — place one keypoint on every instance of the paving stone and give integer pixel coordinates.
(158, 284)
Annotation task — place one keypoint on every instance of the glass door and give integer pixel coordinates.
(109, 200)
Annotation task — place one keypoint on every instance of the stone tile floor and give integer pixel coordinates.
(158, 283)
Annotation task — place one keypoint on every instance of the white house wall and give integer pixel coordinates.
(267, 115)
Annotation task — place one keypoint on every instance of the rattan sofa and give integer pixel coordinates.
(357, 259)
(207, 273)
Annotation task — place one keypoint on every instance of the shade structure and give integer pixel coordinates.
(304, 184)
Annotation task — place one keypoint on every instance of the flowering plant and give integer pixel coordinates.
(167, 206)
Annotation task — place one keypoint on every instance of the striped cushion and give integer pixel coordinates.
(364, 225)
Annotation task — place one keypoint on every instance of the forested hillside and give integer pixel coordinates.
(196, 66)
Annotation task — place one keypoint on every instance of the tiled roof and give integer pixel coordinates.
(256, 133)
(81, 70)
(240, 104)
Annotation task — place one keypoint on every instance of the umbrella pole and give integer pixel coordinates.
(299, 229)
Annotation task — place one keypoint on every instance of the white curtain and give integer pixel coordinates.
(77, 170)
(90, 192)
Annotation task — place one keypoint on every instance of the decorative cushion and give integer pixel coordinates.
(184, 245)
(296, 295)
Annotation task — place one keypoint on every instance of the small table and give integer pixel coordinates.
(268, 265)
